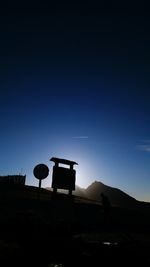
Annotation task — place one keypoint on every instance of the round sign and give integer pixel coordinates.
(41, 171)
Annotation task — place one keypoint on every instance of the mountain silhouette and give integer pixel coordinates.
(93, 192)
(116, 196)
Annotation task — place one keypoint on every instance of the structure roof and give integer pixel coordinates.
(63, 161)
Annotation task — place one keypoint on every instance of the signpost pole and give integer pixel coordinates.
(40, 182)
(40, 172)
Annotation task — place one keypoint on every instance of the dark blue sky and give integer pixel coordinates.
(74, 83)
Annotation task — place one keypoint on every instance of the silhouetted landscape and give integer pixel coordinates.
(115, 195)
(49, 229)
(74, 82)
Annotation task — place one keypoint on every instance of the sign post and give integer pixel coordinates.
(41, 171)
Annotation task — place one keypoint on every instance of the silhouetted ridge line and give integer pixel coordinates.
(115, 195)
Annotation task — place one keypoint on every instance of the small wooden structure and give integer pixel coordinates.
(63, 178)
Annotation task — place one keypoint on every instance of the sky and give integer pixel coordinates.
(75, 84)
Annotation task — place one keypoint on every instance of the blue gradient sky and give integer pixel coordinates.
(75, 84)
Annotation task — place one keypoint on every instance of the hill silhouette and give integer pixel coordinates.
(116, 196)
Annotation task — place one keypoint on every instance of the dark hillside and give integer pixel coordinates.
(115, 195)
(43, 230)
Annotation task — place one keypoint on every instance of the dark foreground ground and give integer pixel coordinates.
(59, 231)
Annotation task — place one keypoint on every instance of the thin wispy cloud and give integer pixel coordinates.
(144, 146)
(80, 137)
(145, 141)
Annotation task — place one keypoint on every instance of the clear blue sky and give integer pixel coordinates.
(74, 83)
